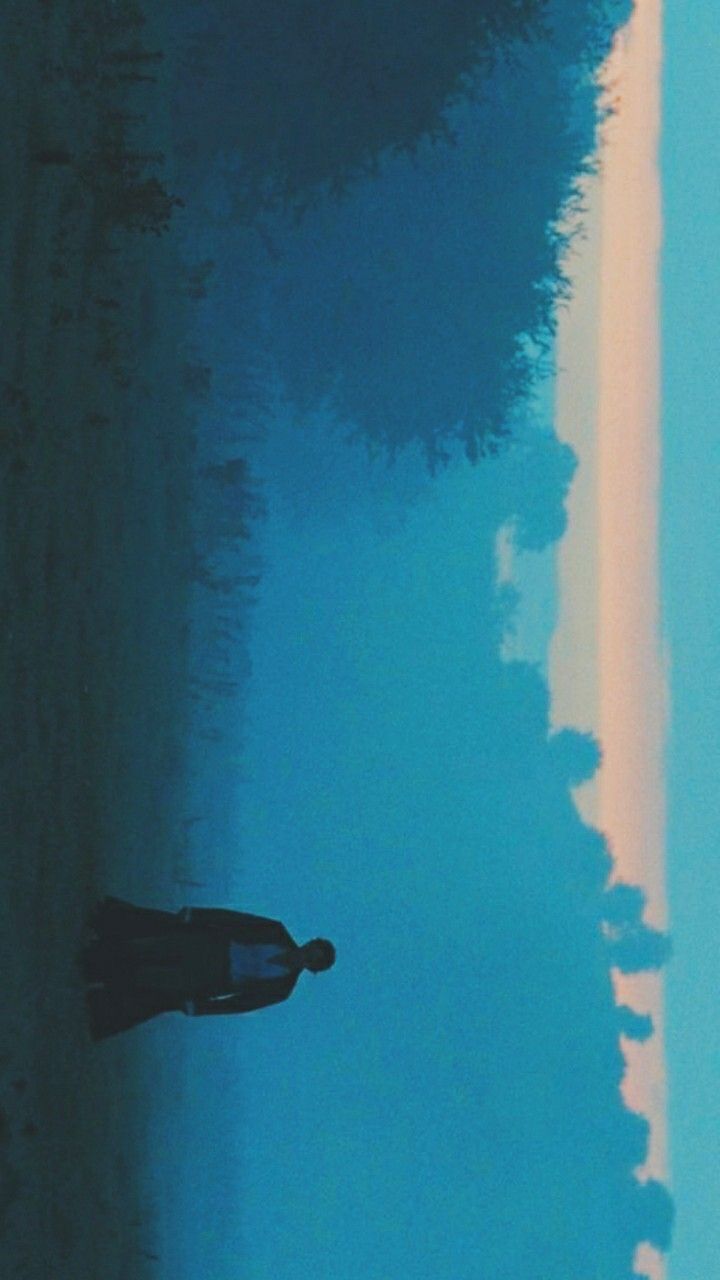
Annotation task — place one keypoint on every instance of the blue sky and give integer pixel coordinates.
(438, 1097)
(339, 1134)
(691, 559)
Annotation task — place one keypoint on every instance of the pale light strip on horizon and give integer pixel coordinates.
(606, 667)
(631, 784)
(631, 800)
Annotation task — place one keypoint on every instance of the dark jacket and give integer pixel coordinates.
(119, 1007)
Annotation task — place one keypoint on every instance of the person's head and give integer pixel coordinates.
(318, 954)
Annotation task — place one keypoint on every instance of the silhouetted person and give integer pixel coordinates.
(200, 960)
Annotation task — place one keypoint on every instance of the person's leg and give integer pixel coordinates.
(191, 963)
(91, 962)
(154, 964)
(114, 918)
(110, 1011)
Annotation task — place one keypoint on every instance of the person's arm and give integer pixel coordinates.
(236, 1002)
(240, 924)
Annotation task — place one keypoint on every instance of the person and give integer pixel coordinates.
(141, 962)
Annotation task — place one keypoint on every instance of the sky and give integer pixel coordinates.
(606, 659)
(648, 676)
(370, 721)
(690, 552)
(365, 1127)
(606, 656)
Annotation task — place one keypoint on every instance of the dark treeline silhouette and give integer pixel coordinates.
(578, 754)
(400, 306)
(417, 295)
(633, 945)
(224, 572)
(633, 1025)
(96, 450)
(310, 94)
(109, 70)
(536, 469)
(549, 1008)
(445, 757)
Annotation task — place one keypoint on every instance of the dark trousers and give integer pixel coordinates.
(186, 964)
